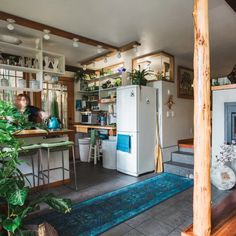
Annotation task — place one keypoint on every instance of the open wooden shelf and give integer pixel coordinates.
(19, 68)
(223, 87)
(107, 101)
(7, 88)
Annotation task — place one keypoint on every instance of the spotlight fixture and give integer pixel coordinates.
(84, 67)
(105, 59)
(119, 55)
(135, 48)
(75, 42)
(10, 25)
(46, 34)
(99, 48)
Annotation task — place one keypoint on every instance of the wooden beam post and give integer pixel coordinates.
(202, 125)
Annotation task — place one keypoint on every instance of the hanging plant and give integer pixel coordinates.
(54, 107)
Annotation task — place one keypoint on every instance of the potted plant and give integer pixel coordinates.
(15, 203)
(82, 77)
(138, 76)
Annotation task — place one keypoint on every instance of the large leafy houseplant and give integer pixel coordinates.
(15, 204)
(138, 77)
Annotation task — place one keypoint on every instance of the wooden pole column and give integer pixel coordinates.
(202, 125)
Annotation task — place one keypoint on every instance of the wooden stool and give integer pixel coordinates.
(31, 150)
(54, 147)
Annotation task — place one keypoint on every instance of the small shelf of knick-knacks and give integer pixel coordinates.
(53, 63)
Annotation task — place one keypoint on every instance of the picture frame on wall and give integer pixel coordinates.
(185, 82)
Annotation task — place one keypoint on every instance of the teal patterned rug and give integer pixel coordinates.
(101, 213)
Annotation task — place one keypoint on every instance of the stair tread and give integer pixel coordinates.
(179, 164)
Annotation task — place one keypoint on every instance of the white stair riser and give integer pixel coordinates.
(189, 150)
(178, 170)
(182, 158)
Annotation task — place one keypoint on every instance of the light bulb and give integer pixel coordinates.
(135, 48)
(46, 34)
(75, 42)
(99, 48)
(10, 27)
(119, 55)
(84, 67)
(11, 22)
(105, 60)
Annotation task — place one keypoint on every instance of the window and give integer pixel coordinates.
(9, 78)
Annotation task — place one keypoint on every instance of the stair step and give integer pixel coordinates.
(178, 168)
(186, 147)
(182, 157)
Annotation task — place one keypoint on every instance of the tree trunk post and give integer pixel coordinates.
(202, 125)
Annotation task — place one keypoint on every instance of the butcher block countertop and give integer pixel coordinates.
(39, 132)
(85, 128)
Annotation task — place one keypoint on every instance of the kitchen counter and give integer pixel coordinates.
(30, 137)
(39, 133)
(81, 128)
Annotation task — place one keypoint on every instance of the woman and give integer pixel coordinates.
(23, 106)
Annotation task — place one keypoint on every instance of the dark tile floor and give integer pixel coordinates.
(167, 218)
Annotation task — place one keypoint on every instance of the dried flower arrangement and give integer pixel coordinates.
(227, 154)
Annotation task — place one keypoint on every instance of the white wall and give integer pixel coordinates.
(218, 121)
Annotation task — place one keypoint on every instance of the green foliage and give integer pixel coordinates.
(55, 107)
(138, 76)
(13, 192)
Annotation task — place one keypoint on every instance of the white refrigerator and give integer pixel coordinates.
(136, 117)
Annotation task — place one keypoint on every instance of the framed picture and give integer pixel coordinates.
(185, 82)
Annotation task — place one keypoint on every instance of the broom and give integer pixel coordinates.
(158, 151)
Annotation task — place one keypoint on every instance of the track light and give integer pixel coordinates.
(119, 55)
(99, 48)
(10, 25)
(135, 48)
(105, 59)
(84, 67)
(46, 34)
(75, 42)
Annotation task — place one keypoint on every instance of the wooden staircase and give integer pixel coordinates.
(182, 161)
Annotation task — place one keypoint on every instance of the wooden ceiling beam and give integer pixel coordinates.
(55, 31)
(112, 50)
(100, 57)
(232, 4)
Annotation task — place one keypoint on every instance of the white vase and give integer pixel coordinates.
(223, 177)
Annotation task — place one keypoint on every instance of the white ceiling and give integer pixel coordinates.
(156, 24)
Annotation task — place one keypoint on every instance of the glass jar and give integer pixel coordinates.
(21, 83)
(4, 82)
(34, 84)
